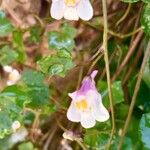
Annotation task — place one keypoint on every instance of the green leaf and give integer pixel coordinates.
(5, 124)
(58, 41)
(33, 78)
(145, 19)
(130, 1)
(57, 64)
(39, 96)
(9, 112)
(12, 102)
(7, 55)
(117, 92)
(36, 89)
(64, 53)
(20, 93)
(95, 139)
(121, 111)
(143, 97)
(69, 30)
(144, 130)
(26, 146)
(146, 1)
(5, 25)
(35, 34)
(19, 45)
(55, 69)
(2, 14)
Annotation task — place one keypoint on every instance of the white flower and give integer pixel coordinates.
(71, 9)
(16, 125)
(86, 106)
(13, 75)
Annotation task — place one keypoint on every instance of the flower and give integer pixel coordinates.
(13, 75)
(72, 136)
(86, 106)
(71, 9)
(68, 135)
(16, 125)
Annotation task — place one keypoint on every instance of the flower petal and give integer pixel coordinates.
(93, 74)
(71, 13)
(7, 69)
(99, 112)
(57, 9)
(73, 95)
(87, 120)
(85, 10)
(91, 95)
(10, 82)
(72, 113)
(14, 76)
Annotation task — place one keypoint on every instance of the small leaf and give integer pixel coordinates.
(33, 78)
(26, 146)
(58, 41)
(5, 25)
(7, 55)
(19, 45)
(116, 91)
(10, 111)
(57, 64)
(35, 34)
(5, 124)
(143, 96)
(55, 69)
(2, 14)
(144, 130)
(39, 96)
(145, 19)
(20, 93)
(69, 30)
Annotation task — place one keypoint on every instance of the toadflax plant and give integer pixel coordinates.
(47, 47)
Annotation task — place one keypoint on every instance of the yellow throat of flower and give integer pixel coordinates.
(11, 77)
(70, 2)
(82, 105)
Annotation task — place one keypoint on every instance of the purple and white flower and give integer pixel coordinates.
(86, 106)
(71, 9)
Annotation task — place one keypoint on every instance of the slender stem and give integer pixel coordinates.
(52, 133)
(122, 36)
(80, 77)
(125, 15)
(129, 54)
(137, 86)
(105, 36)
(132, 66)
(118, 35)
(81, 144)
(110, 60)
